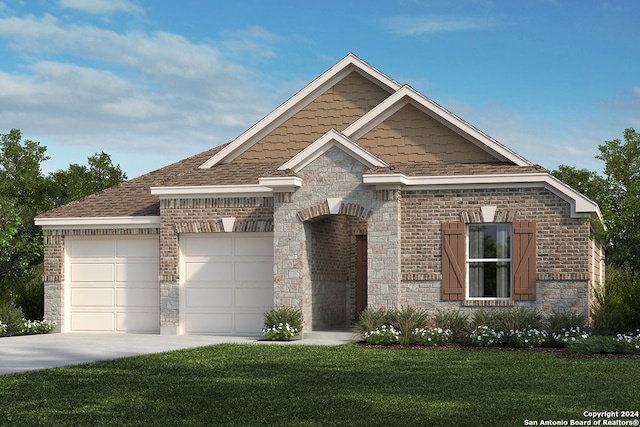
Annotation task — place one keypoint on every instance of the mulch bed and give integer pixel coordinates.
(559, 352)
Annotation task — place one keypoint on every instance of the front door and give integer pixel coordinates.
(361, 274)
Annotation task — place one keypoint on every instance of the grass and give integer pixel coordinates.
(248, 385)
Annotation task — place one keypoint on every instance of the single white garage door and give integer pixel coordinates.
(227, 282)
(112, 284)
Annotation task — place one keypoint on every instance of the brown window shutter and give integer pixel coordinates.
(453, 261)
(524, 260)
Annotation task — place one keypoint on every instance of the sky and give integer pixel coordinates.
(151, 82)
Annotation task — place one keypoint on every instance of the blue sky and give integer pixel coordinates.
(154, 81)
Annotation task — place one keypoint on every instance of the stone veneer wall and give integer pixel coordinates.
(54, 260)
(204, 215)
(334, 174)
(563, 245)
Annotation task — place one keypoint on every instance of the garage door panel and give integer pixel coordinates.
(254, 246)
(134, 248)
(96, 297)
(91, 248)
(253, 271)
(138, 297)
(137, 272)
(227, 282)
(207, 272)
(92, 322)
(138, 322)
(93, 272)
(113, 284)
(207, 247)
(210, 297)
(253, 297)
(209, 323)
(249, 323)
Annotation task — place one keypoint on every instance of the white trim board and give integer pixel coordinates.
(98, 222)
(580, 204)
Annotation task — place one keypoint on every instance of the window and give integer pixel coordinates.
(489, 261)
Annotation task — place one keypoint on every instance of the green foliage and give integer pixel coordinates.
(79, 180)
(506, 320)
(25, 193)
(383, 335)
(11, 316)
(599, 344)
(558, 321)
(453, 320)
(406, 320)
(282, 323)
(370, 320)
(29, 293)
(622, 202)
(617, 308)
(346, 385)
(432, 336)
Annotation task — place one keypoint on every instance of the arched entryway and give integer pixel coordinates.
(337, 256)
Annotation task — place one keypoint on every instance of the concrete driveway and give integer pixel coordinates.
(24, 353)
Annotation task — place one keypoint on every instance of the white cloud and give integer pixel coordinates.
(137, 93)
(102, 6)
(421, 25)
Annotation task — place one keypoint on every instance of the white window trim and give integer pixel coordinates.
(470, 260)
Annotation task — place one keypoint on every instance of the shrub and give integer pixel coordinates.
(484, 336)
(29, 295)
(282, 323)
(525, 338)
(617, 308)
(406, 321)
(370, 320)
(455, 321)
(605, 344)
(565, 336)
(432, 336)
(3, 329)
(505, 320)
(12, 318)
(37, 327)
(384, 335)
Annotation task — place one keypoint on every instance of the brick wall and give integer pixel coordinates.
(54, 260)
(333, 175)
(200, 216)
(564, 249)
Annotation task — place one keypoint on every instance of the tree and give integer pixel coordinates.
(24, 193)
(584, 181)
(617, 194)
(79, 180)
(621, 204)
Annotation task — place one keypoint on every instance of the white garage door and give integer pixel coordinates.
(227, 282)
(112, 284)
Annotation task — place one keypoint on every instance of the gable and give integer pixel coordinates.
(411, 136)
(337, 108)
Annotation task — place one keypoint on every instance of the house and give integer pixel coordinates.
(356, 192)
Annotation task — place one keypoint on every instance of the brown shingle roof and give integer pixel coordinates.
(133, 197)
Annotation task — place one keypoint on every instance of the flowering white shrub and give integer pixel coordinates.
(3, 328)
(38, 327)
(631, 342)
(527, 338)
(432, 336)
(281, 331)
(568, 335)
(384, 335)
(484, 336)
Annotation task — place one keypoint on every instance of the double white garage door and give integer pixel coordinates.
(226, 283)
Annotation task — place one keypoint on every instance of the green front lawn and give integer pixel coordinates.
(315, 385)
